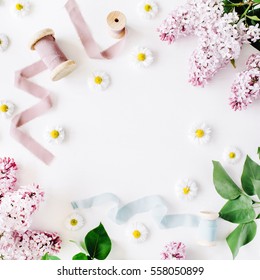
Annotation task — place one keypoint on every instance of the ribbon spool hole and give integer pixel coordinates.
(45, 44)
(117, 23)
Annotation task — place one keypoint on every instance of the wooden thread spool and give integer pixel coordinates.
(52, 56)
(208, 228)
(117, 24)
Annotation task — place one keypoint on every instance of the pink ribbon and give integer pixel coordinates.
(90, 45)
(22, 76)
(21, 81)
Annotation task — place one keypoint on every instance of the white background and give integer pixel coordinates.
(130, 140)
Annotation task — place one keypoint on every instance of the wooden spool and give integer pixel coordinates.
(117, 24)
(63, 69)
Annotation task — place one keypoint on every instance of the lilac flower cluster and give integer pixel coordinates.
(8, 178)
(16, 208)
(221, 36)
(246, 87)
(174, 251)
(29, 245)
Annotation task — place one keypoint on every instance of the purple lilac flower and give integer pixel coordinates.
(246, 87)
(30, 245)
(220, 35)
(174, 251)
(8, 178)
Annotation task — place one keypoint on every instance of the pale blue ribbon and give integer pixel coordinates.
(120, 214)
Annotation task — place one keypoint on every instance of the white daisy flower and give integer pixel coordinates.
(74, 221)
(231, 155)
(137, 232)
(148, 9)
(186, 189)
(99, 80)
(55, 134)
(4, 42)
(21, 8)
(200, 133)
(6, 108)
(142, 57)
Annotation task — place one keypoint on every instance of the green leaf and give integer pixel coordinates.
(258, 151)
(238, 211)
(80, 256)
(251, 172)
(224, 185)
(241, 236)
(256, 1)
(255, 18)
(258, 216)
(256, 184)
(98, 243)
(48, 257)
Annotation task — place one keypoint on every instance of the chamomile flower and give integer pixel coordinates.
(231, 155)
(99, 80)
(74, 221)
(55, 134)
(200, 133)
(142, 57)
(21, 8)
(6, 108)
(186, 189)
(147, 9)
(137, 232)
(4, 42)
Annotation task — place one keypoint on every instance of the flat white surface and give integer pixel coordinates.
(130, 140)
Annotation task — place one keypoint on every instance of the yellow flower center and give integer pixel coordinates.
(73, 222)
(54, 134)
(98, 80)
(200, 133)
(232, 155)
(0, 42)
(136, 234)
(147, 8)
(4, 108)
(19, 6)
(186, 190)
(141, 57)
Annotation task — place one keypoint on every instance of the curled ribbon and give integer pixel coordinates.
(90, 45)
(22, 82)
(206, 222)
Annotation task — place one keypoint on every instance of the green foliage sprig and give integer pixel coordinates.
(242, 202)
(96, 245)
(247, 10)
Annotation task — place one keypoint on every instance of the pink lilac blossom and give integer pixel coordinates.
(30, 245)
(174, 251)
(221, 36)
(246, 87)
(8, 177)
(17, 207)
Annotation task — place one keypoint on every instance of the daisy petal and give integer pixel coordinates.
(200, 133)
(231, 155)
(74, 222)
(99, 80)
(137, 232)
(4, 42)
(147, 9)
(21, 8)
(55, 134)
(142, 57)
(6, 108)
(186, 189)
